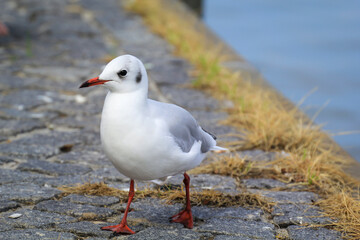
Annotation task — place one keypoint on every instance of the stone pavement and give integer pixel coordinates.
(49, 133)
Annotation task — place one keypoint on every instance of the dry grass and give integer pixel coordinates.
(206, 197)
(240, 167)
(227, 165)
(94, 189)
(268, 121)
(218, 199)
(345, 206)
(317, 175)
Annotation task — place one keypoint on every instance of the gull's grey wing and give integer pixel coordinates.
(211, 134)
(184, 128)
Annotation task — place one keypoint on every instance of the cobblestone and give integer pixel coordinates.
(14, 176)
(36, 234)
(84, 156)
(5, 160)
(14, 127)
(7, 205)
(238, 227)
(262, 183)
(208, 181)
(84, 229)
(297, 214)
(5, 227)
(40, 145)
(154, 210)
(27, 99)
(28, 193)
(154, 233)
(289, 197)
(49, 133)
(65, 180)
(109, 174)
(305, 233)
(205, 213)
(189, 98)
(8, 113)
(55, 169)
(227, 237)
(83, 211)
(161, 69)
(101, 201)
(36, 219)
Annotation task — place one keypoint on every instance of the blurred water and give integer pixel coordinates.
(299, 45)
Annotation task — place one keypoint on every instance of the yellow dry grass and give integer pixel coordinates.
(206, 197)
(268, 121)
(227, 165)
(241, 167)
(346, 208)
(94, 189)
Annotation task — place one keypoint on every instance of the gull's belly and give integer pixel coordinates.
(142, 154)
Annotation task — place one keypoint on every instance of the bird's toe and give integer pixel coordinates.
(121, 229)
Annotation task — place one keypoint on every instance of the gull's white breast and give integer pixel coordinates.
(140, 146)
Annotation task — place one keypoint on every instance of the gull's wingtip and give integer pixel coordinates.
(218, 149)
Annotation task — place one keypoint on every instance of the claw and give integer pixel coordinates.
(122, 229)
(184, 217)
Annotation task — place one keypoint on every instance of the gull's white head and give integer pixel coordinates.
(123, 74)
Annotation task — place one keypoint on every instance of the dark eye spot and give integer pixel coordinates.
(122, 73)
(138, 77)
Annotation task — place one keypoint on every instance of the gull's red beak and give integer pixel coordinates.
(93, 82)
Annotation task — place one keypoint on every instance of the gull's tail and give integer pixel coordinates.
(218, 149)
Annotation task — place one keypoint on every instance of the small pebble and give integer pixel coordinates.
(80, 99)
(15, 215)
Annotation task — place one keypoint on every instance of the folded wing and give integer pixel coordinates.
(184, 128)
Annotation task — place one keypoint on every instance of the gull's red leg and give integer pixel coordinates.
(185, 216)
(3, 29)
(123, 227)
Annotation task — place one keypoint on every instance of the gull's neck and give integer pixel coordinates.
(123, 111)
(128, 103)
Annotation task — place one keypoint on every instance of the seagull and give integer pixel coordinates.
(145, 139)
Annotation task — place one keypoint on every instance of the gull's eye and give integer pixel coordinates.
(122, 73)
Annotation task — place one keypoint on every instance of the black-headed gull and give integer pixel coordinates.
(147, 139)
